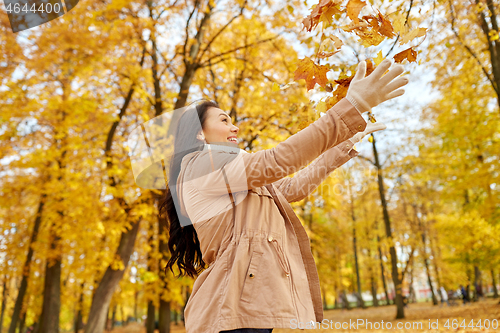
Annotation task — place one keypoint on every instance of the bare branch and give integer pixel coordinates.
(204, 64)
(222, 29)
(469, 49)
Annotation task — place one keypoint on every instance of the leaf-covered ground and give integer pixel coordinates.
(415, 313)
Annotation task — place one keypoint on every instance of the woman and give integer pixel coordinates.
(261, 273)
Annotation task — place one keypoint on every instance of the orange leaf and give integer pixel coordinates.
(386, 28)
(409, 54)
(312, 73)
(353, 8)
(322, 12)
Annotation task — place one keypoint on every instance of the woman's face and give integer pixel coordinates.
(218, 127)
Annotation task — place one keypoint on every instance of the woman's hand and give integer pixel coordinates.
(367, 92)
(370, 128)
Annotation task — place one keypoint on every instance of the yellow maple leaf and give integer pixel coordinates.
(417, 32)
(379, 58)
(370, 38)
(353, 8)
(275, 87)
(399, 25)
(328, 13)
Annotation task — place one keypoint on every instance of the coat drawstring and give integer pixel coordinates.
(281, 257)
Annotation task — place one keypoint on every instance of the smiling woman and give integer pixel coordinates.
(232, 211)
(218, 127)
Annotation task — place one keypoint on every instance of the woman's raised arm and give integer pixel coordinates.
(210, 171)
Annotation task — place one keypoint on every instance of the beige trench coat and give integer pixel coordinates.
(261, 272)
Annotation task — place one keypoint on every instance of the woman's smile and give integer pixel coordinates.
(219, 127)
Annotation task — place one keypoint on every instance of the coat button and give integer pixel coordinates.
(270, 238)
(251, 275)
(360, 127)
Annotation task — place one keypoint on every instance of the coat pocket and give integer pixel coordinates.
(251, 277)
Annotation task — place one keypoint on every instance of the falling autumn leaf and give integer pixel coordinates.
(417, 32)
(329, 41)
(311, 73)
(379, 58)
(386, 28)
(409, 54)
(353, 8)
(322, 12)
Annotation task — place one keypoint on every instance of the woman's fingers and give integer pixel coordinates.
(398, 83)
(381, 68)
(393, 73)
(360, 72)
(395, 93)
(374, 127)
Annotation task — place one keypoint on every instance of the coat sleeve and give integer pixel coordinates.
(308, 179)
(214, 173)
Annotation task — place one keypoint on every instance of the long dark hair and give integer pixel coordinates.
(183, 241)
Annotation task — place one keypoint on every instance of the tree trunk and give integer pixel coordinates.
(104, 292)
(429, 280)
(49, 319)
(494, 282)
(79, 318)
(113, 317)
(164, 316)
(370, 270)
(122, 312)
(382, 273)
(323, 293)
(355, 250)
(435, 259)
(150, 320)
(345, 300)
(151, 310)
(26, 268)
(493, 46)
(111, 278)
(136, 296)
(4, 296)
(22, 323)
(412, 296)
(176, 317)
(477, 283)
(425, 257)
(188, 294)
(106, 322)
(400, 314)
